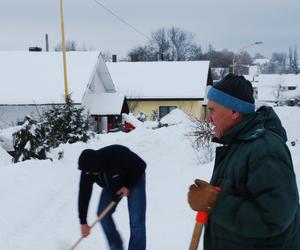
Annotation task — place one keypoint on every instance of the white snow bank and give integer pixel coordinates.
(176, 116)
(5, 158)
(6, 137)
(130, 118)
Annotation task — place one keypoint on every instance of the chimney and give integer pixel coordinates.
(47, 43)
(35, 49)
(114, 58)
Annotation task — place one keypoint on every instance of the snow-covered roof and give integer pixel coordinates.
(275, 79)
(261, 61)
(107, 104)
(267, 85)
(160, 80)
(38, 78)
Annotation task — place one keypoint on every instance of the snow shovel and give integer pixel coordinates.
(100, 217)
(201, 219)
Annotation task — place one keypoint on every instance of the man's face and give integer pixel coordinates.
(221, 117)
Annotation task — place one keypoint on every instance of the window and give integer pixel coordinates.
(164, 110)
(291, 87)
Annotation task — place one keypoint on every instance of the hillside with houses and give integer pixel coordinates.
(109, 90)
(157, 99)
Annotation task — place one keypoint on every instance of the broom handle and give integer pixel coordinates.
(100, 217)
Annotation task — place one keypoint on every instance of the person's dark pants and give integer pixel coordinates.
(137, 217)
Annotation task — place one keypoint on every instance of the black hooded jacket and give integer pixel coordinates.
(111, 167)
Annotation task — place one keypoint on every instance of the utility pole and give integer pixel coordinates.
(64, 51)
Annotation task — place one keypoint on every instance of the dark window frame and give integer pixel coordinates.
(164, 110)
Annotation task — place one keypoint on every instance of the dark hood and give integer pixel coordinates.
(271, 121)
(87, 161)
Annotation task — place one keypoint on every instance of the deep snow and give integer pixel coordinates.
(39, 198)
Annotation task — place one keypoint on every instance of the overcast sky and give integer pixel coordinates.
(230, 24)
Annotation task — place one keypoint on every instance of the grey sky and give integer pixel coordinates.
(230, 24)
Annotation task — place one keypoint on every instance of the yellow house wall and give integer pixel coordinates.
(192, 108)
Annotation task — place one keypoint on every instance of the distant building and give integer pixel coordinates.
(276, 88)
(31, 82)
(156, 88)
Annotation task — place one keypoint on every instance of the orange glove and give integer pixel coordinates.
(202, 196)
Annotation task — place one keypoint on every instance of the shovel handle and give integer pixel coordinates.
(196, 236)
(100, 217)
(201, 219)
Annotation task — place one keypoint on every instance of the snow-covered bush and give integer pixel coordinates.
(202, 134)
(142, 116)
(154, 115)
(29, 141)
(66, 124)
(60, 124)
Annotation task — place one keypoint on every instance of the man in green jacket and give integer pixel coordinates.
(258, 205)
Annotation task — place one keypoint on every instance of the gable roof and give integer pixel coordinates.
(160, 80)
(107, 104)
(37, 77)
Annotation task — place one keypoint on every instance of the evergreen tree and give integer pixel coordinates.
(66, 123)
(61, 124)
(29, 141)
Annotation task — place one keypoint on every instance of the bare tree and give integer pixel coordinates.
(173, 44)
(182, 43)
(258, 56)
(132, 105)
(202, 133)
(219, 59)
(280, 59)
(143, 53)
(245, 58)
(161, 44)
(70, 46)
(295, 61)
(290, 59)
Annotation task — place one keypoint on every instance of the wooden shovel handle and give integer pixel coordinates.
(196, 236)
(100, 217)
(200, 221)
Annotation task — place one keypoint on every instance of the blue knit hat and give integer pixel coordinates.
(234, 92)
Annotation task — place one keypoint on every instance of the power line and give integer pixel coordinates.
(122, 20)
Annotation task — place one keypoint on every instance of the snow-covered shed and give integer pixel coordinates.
(156, 88)
(33, 81)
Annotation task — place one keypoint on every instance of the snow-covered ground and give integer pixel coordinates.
(39, 198)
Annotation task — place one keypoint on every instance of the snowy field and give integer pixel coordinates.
(39, 198)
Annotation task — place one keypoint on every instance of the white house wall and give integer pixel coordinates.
(100, 82)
